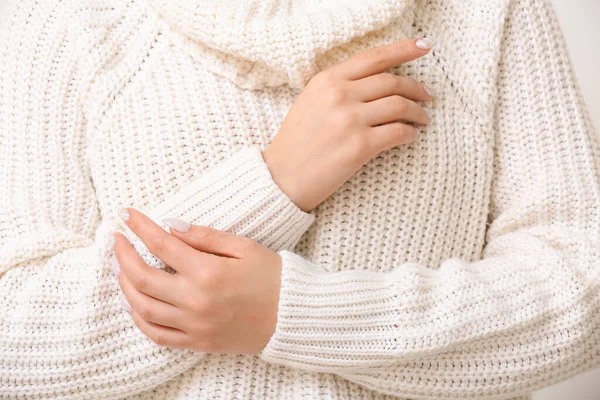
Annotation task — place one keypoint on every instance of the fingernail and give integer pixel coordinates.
(177, 224)
(114, 265)
(123, 213)
(430, 91)
(426, 43)
(125, 305)
(428, 112)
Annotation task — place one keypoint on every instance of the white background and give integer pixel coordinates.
(579, 21)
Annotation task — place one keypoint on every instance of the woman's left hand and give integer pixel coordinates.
(223, 297)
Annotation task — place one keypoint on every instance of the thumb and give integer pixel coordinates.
(207, 239)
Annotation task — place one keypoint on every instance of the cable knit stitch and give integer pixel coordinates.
(462, 266)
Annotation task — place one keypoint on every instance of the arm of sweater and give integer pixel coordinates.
(524, 316)
(63, 333)
(239, 196)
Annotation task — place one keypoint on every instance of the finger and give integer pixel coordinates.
(151, 281)
(162, 335)
(207, 239)
(385, 84)
(387, 136)
(394, 108)
(149, 308)
(159, 242)
(378, 59)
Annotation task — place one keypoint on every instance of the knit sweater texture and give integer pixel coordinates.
(464, 265)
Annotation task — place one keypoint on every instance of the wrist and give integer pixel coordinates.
(281, 176)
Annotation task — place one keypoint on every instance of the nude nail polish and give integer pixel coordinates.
(115, 266)
(425, 43)
(428, 112)
(125, 305)
(430, 91)
(123, 213)
(177, 224)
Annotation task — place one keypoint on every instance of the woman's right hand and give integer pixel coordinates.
(345, 116)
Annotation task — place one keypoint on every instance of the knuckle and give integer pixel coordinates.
(389, 79)
(137, 321)
(424, 112)
(412, 85)
(418, 87)
(324, 78)
(203, 232)
(146, 312)
(247, 245)
(178, 343)
(405, 133)
(157, 243)
(376, 56)
(207, 345)
(140, 281)
(376, 53)
(335, 95)
(400, 104)
(186, 343)
(159, 338)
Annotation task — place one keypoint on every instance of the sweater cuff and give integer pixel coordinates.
(239, 196)
(331, 320)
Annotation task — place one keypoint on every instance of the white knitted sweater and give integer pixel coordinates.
(462, 266)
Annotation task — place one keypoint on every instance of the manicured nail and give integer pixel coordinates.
(123, 213)
(425, 43)
(114, 265)
(430, 91)
(428, 112)
(177, 224)
(125, 305)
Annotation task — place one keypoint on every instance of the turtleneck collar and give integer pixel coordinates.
(258, 43)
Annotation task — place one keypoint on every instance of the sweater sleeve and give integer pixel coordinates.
(524, 316)
(238, 195)
(63, 333)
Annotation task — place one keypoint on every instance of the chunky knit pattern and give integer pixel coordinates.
(462, 266)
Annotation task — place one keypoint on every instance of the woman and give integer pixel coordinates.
(317, 248)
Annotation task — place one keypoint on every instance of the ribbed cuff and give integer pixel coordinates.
(332, 320)
(239, 196)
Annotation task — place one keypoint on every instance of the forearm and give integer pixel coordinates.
(238, 196)
(64, 334)
(522, 318)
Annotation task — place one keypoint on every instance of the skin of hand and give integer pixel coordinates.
(222, 298)
(345, 116)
